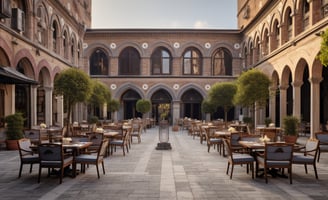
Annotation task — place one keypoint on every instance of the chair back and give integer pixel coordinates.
(24, 145)
(312, 147)
(322, 137)
(103, 148)
(278, 152)
(33, 135)
(234, 138)
(227, 147)
(96, 138)
(51, 154)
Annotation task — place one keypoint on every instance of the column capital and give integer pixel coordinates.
(315, 80)
(297, 83)
(283, 87)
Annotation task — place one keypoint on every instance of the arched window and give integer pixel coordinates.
(41, 25)
(54, 36)
(65, 44)
(265, 47)
(289, 25)
(73, 50)
(98, 63)
(129, 62)
(275, 40)
(245, 65)
(222, 62)
(192, 62)
(161, 61)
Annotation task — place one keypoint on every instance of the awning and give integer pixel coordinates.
(9, 75)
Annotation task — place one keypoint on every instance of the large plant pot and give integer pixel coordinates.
(290, 139)
(12, 144)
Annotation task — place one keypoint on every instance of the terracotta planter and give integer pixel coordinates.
(12, 144)
(290, 139)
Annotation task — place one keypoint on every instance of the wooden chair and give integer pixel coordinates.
(276, 155)
(308, 155)
(26, 155)
(84, 159)
(52, 156)
(238, 159)
(122, 142)
(323, 142)
(136, 131)
(195, 129)
(213, 141)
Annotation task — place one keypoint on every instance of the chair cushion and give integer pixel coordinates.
(323, 147)
(215, 140)
(85, 158)
(117, 142)
(30, 158)
(303, 159)
(277, 162)
(242, 158)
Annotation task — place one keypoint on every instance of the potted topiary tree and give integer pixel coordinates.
(14, 130)
(290, 125)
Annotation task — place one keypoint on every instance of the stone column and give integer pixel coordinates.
(48, 105)
(272, 104)
(283, 104)
(60, 110)
(297, 99)
(34, 89)
(315, 105)
(175, 110)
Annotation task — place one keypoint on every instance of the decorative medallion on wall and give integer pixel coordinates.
(113, 86)
(207, 87)
(207, 45)
(85, 45)
(176, 86)
(145, 86)
(236, 45)
(176, 45)
(113, 45)
(145, 45)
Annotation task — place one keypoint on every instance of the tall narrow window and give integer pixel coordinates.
(129, 62)
(222, 62)
(265, 47)
(54, 36)
(98, 63)
(65, 44)
(289, 24)
(161, 61)
(306, 14)
(73, 50)
(324, 8)
(192, 62)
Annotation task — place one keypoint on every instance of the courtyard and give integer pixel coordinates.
(187, 171)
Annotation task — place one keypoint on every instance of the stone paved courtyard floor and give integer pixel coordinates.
(187, 171)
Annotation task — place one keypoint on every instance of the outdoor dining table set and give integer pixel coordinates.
(271, 158)
(61, 158)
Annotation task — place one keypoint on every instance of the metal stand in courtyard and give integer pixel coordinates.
(164, 136)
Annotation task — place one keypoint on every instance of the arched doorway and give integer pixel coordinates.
(161, 105)
(191, 104)
(130, 98)
(23, 93)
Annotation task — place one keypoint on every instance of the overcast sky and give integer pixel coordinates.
(208, 14)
